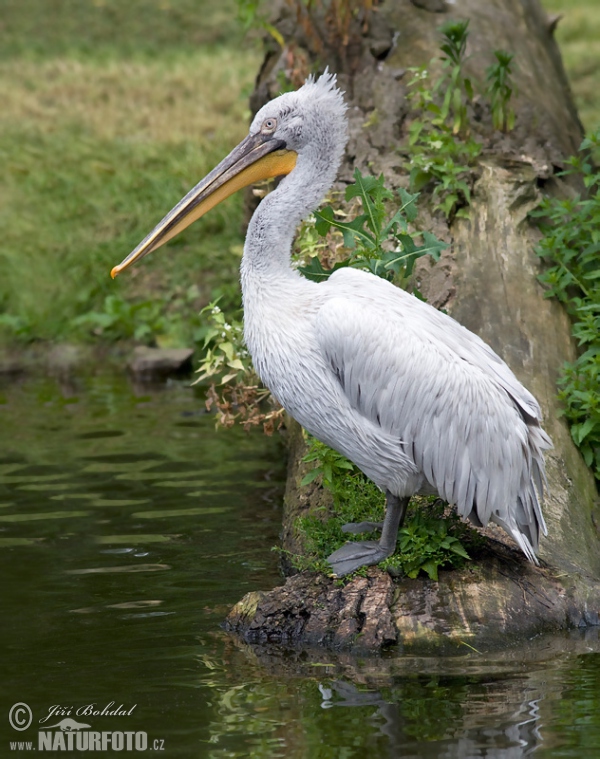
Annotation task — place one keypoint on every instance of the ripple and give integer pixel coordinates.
(126, 605)
(118, 502)
(113, 467)
(8, 468)
(181, 484)
(31, 478)
(49, 486)
(75, 497)
(133, 539)
(14, 542)
(43, 515)
(99, 434)
(162, 513)
(142, 476)
(127, 568)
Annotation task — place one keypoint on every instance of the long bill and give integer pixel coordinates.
(257, 157)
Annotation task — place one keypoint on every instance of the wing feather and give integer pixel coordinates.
(472, 428)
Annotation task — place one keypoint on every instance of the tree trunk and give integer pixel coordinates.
(486, 280)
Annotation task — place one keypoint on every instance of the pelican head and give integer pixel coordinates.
(303, 127)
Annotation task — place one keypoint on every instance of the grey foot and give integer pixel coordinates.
(357, 527)
(352, 556)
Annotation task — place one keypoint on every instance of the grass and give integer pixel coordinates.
(111, 112)
(578, 35)
(113, 28)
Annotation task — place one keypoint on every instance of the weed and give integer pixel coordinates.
(236, 391)
(120, 319)
(571, 249)
(437, 157)
(457, 88)
(500, 90)
(374, 240)
(164, 321)
(330, 465)
(429, 539)
(441, 150)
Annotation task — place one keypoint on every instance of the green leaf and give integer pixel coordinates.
(315, 271)
(310, 477)
(580, 431)
(431, 567)
(458, 548)
(419, 178)
(409, 203)
(468, 88)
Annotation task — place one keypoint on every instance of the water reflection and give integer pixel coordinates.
(504, 704)
(128, 527)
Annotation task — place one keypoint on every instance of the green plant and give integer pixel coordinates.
(375, 240)
(330, 464)
(121, 319)
(500, 89)
(437, 157)
(429, 539)
(18, 327)
(235, 390)
(571, 250)
(457, 88)
(164, 321)
(225, 356)
(249, 15)
(441, 150)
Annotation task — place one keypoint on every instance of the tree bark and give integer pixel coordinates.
(487, 280)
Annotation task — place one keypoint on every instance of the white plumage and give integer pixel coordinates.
(415, 400)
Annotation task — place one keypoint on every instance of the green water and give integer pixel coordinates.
(128, 527)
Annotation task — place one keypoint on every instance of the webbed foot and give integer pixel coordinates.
(355, 528)
(352, 556)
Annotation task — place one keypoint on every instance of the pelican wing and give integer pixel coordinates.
(462, 416)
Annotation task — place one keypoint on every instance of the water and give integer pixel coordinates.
(128, 527)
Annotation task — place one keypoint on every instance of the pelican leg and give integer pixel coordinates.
(352, 556)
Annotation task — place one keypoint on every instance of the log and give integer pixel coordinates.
(487, 280)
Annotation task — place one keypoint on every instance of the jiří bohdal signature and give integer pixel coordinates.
(87, 710)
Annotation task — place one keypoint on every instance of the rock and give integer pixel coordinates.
(433, 6)
(64, 358)
(11, 365)
(148, 363)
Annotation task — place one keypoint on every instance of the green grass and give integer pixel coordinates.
(578, 35)
(110, 112)
(115, 28)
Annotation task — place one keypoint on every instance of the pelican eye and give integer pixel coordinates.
(269, 126)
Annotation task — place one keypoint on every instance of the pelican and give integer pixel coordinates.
(415, 400)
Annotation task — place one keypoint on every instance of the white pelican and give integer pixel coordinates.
(415, 400)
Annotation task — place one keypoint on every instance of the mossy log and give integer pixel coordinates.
(487, 280)
(500, 596)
